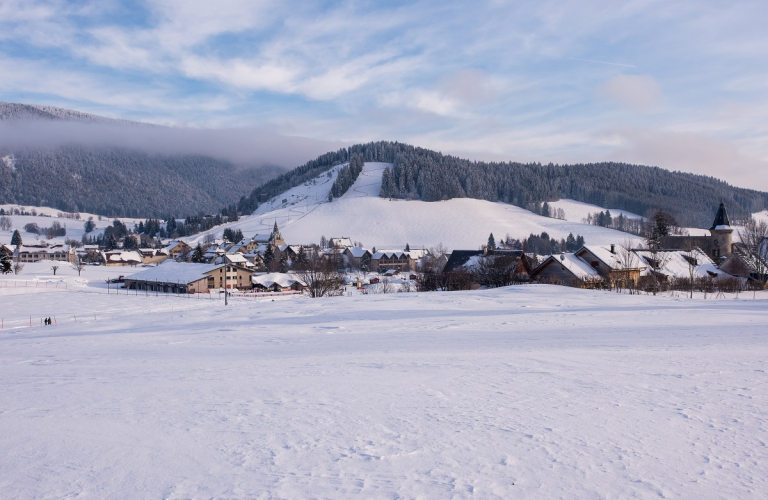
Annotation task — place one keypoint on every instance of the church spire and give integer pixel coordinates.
(721, 219)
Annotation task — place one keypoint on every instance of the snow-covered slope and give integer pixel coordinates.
(304, 215)
(577, 211)
(45, 218)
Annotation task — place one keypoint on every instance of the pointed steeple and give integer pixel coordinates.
(275, 230)
(721, 219)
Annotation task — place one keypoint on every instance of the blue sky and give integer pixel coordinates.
(682, 85)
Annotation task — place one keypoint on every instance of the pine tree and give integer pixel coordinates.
(545, 210)
(16, 239)
(269, 256)
(198, 255)
(491, 242)
(110, 242)
(283, 263)
(6, 261)
(89, 225)
(407, 247)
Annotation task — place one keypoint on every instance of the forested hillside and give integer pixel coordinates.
(113, 180)
(431, 176)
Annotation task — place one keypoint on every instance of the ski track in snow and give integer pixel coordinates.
(520, 392)
(460, 223)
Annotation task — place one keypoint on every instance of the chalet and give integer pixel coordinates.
(679, 264)
(459, 259)
(744, 264)
(122, 258)
(277, 282)
(152, 255)
(177, 249)
(567, 269)
(183, 277)
(614, 263)
(237, 259)
(342, 242)
(358, 258)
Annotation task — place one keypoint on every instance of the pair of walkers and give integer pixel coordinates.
(48, 321)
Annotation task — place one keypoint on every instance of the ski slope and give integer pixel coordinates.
(521, 392)
(304, 215)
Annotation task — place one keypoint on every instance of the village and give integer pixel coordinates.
(265, 262)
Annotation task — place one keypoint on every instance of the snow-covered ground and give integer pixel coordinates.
(577, 211)
(45, 218)
(520, 392)
(304, 215)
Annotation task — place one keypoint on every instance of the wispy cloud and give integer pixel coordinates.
(500, 78)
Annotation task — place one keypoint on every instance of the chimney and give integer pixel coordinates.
(613, 248)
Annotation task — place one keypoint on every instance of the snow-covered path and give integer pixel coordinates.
(522, 392)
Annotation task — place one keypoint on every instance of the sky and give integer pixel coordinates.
(678, 84)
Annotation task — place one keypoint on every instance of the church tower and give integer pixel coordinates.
(722, 233)
(276, 239)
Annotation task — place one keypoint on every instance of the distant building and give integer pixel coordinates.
(184, 277)
(36, 253)
(717, 245)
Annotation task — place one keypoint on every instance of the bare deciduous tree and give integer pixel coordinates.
(320, 277)
(5, 223)
(78, 265)
(754, 236)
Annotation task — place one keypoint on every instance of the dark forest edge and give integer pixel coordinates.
(422, 174)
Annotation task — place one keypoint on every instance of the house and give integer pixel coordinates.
(177, 249)
(152, 255)
(567, 269)
(277, 282)
(679, 264)
(184, 277)
(36, 253)
(400, 261)
(459, 259)
(122, 258)
(744, 264)
(342, 242)
(614, 263)
(237, 259)
(358, 258)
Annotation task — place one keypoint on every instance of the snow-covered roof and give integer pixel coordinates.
(123, 256)
(417, 253)
(575, 265)
(356, 252)
(389, 254)
(675, 264)
(343, 241)
(175, 272)
(285, 280)
(173, 245)
(238, 258)
(612, 259)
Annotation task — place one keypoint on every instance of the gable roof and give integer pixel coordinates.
(283, 279)
(357, 252)
(571, 263)
(459, 258)
(175, 272)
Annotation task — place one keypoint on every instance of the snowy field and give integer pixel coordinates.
(521, 392)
